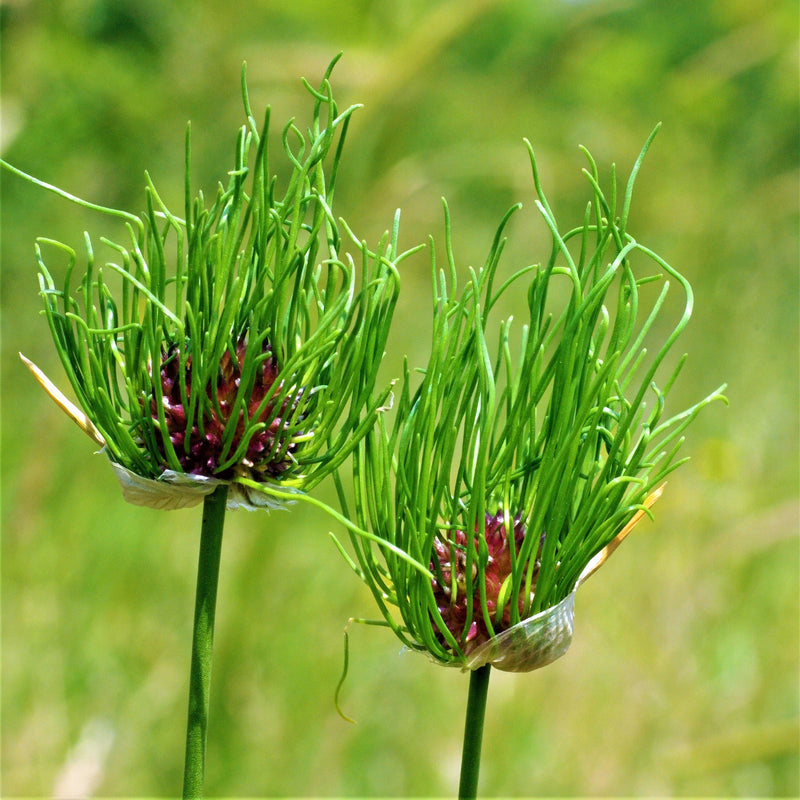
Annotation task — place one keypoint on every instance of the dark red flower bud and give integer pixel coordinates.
(451, 592)
(206, 450)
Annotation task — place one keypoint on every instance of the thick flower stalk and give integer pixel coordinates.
(546, 445)
(237, 343)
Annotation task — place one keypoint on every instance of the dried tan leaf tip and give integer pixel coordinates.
(67, 406)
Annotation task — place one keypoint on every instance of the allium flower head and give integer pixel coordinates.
(520, 459)
(237, 342)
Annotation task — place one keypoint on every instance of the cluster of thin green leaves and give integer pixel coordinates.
(258, 265)
(564, 430)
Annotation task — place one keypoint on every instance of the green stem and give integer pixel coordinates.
(473, 732)
(203, 641)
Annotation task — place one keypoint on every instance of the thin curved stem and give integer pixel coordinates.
(473, 732)
(203, 641)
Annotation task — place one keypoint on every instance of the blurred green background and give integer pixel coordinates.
(683, 676)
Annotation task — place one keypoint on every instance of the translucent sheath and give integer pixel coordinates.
(174, 490)
(532, 643)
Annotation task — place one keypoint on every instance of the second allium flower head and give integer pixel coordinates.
(244, 343)
(517, 463)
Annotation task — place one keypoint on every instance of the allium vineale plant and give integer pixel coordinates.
(518, 458)
(229, 354)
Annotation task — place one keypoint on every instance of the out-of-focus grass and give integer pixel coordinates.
(683, 676)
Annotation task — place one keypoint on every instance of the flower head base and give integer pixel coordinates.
(462, 612)
(239, 342)
(562, 426)
(201, 448)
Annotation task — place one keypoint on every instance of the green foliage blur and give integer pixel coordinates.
(683, 677)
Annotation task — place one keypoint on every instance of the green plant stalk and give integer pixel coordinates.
(203, 641)
(473, 732)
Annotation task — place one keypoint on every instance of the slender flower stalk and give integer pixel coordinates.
(518, 461)
(203, 640)
(473, 731)
(229, 354)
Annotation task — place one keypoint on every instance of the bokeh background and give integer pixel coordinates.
(683, 677)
